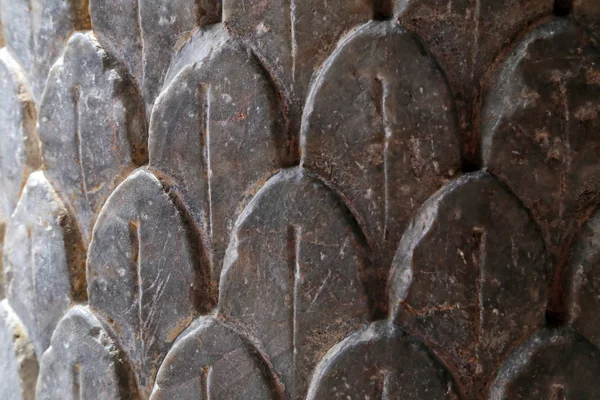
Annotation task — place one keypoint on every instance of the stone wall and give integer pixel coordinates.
(300, 199)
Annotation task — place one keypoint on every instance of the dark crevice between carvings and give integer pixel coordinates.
(383, 10)
(562, 8)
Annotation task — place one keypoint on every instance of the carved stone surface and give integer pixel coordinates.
(92, 127)
(469, 277)
(83, 362)
(540, 126)
(583, 276)
(212, 361)
(553, 364)
(292, 274)
(19, 149)
(142, 273)
(18, 365)
(294, 37)
(380, 129)
(36, 32)
(587, 12)
(146, 33)
(393, 365)
(218, 132)
(43, 261)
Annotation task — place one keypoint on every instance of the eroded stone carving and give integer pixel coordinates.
(380, 361)
(292, 274)
(470, 276)
(44, 261)
(213, 361)
(381, 130)
(92, 127)
(218, 132)
(36, 32)
(294, 37)
(540, 126)
(18, 365)
(146, 33)
(553, 364)
(83, 362)
(143, 277)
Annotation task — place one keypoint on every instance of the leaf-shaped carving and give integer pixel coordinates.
(380, 129)
(541, 127)
(297, 242)
(217, 130)
(36, 32)
(20, 150)
(18, 365)
(466, 36)
(92, 127)
(294, 37)
(145, 33)
(142, 273)
(213, 361)
(393, 365)
(552, 364)
(83, 362)
(44, 261)
(583, 277)
(470, 276)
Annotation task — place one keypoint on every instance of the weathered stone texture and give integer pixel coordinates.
(43, 261)
(142, 274)
(470, 276)
(83, 362)
(18, 365)
(92, 127)
(292, 274)
(218, 132)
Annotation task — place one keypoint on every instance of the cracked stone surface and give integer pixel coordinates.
(213, 361)
(83, 362)
(92, 127)
(44, 261)
(470, 276)
(298, 243)
(147, 287)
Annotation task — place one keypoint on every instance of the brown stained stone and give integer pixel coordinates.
(20, 148)
(381, 130)
(218, 132)
(541, 130)
(141, 272)
(18, 365)
(292, 274)
(293, 37)
(92, 127)
(43, 261)
(144, 34)
(466, 36)
(83, 362)
(553, 364)
(583, 277)
(470, 276)
(380, 361)
(36, 32)
(213, 361)
(587, 12)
